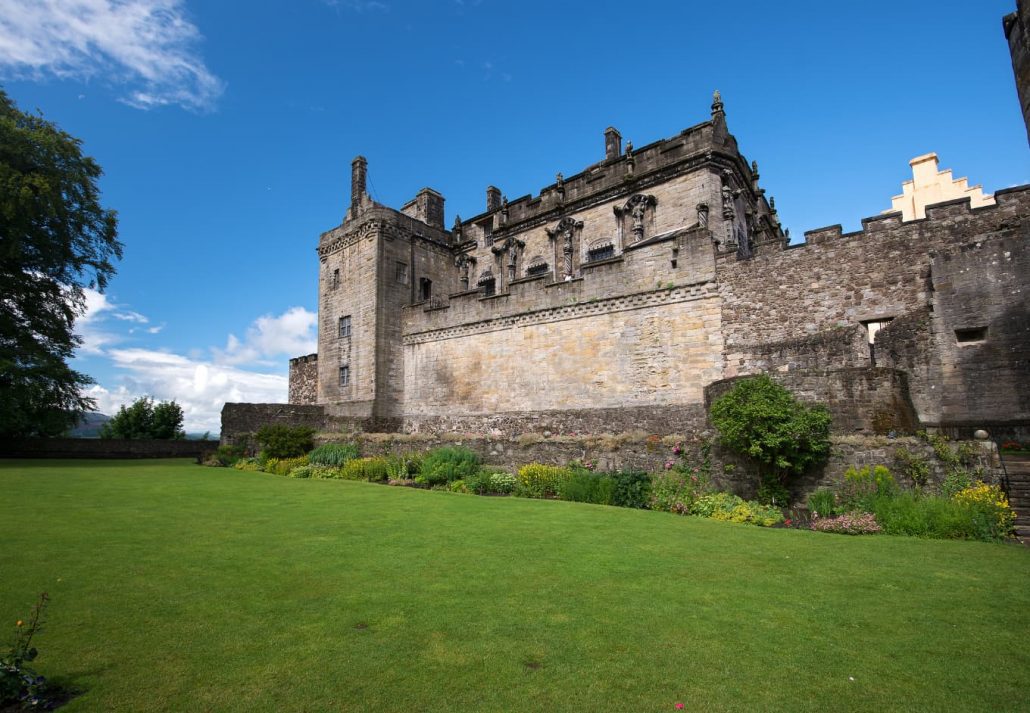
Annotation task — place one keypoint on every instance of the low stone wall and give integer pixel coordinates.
(648, 452)
(105, 448)
(660, 419)
(864, 400)
(242, 419)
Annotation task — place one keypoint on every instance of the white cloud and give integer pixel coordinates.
(200, 387)
(150, 46)
(204, 380)
(288, 335)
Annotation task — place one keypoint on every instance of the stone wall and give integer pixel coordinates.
(1017, 32)
(638, 450)
(304, 379)
(865, 400)
(106, 448)
(242, 419)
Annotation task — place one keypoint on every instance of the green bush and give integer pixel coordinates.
(676, 490)
(447, 463)
(771, 491)
(541, 481)
(584, 486)
(763, 421)
(731, 508)
(930, 516)
(862, 485)
(321, 472)
(228, 455)
(957, 480)
(823, 501)
(283, 466)
(482, 481)
(281, 441)
(249, 465)
(503, 483)
(374, 470)
(335, 454)
(631, 489)
(913, 466)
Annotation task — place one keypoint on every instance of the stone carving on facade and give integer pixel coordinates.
(637, 209)
(504, 211)
(631, 160)
(702, 215)
(456, 231)
(566, 231)
(465, 264)
(560, 188)
(511, 247)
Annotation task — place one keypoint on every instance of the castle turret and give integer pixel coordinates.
(358, 175)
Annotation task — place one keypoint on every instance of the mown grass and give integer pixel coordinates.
(177, 587)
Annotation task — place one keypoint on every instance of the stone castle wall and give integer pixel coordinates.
(303, 380)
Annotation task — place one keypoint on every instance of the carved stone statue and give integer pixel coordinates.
(560, 187)
(636, 208)
(456, 230)
(504, 211)
(566, 231)
(464, 262)
(513, 254)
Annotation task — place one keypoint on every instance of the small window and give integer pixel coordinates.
(488, 232)
(602, 252)
(425, 289)
(402, 273)
(345, 375)
(344, 326)
(537, 268)
(967, 336)
(336, 278)
(875, 325)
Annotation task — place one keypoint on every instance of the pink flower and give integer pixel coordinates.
(679, 706)
(668, 464)
(677, 450)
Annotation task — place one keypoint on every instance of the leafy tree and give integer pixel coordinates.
(145, 419)
(55, 240)
(281, 441)
(762, 420)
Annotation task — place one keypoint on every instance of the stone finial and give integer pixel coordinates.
(358, 177)
(612, 143)
(717, 107)
(457, 230)
(504, 211)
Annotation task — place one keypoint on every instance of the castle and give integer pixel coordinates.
(623, 297)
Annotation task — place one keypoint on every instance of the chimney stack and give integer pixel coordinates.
(612, 143)
(358, 172)
(493, 198)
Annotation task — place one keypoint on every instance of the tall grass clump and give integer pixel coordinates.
(446, 464)
(334, 454)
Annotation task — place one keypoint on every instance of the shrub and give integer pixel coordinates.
(913, 466)
(536, 480)
(321, 472)
(631, 489)
(457, 486)
(762, 420)
(937, 517)
(334, 454)
(583, 486)
(249, 465)
(503, 483)
(860, 523)
(991, 503)
(21, 688)
(676, 490)
(822, 502)
(731, 508)
(862, 485)
(279, 441)
(482, 481)
(772, 491)
(374, 470)
(283, 466)
(956, 480)
(227, 455)
(447, 463)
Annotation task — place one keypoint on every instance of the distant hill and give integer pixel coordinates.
(89, 426)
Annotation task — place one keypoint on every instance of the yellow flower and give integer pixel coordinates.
(18, 623)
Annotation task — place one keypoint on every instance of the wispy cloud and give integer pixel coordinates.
(149, 46)
(249, 369)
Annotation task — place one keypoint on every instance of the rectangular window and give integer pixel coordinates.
(975, 334)
(345, 375)
(488, 232)
(604, 252)
(401, 273)
(344, 326)
(425, 289)
(336, 278)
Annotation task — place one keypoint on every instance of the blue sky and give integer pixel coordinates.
(226, 131)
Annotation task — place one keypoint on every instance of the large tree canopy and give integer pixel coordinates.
(55, 240)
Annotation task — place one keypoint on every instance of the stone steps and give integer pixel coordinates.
(1018, 469)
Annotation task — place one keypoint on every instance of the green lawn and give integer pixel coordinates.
(177, 587)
